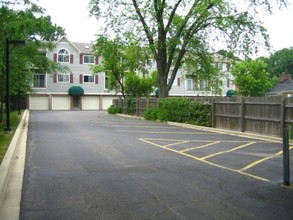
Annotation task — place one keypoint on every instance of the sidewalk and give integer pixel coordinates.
(12, 171)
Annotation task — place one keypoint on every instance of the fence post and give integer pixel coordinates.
(242, 129)
(213, 112)
(282, 116)
(286, 163)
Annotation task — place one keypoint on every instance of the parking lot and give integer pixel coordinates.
(91, 165)
(254, 158)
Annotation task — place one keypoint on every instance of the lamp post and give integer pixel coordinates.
(8, 42)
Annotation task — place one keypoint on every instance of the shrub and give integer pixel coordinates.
(178, 108)
(200, 114)
(114, 110)
(151, 114)
(163, 115)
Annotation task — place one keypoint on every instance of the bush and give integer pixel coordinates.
(200, 114)
(178, 108)
(154, 114)
(163, 115)
(114, 110)
(151, 114)
(181, 110)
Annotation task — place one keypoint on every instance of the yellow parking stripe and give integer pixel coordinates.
(228, 151)
(176, 143)
(262, 160)
(204, 161)
(202, 146)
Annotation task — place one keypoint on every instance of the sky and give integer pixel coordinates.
(73, 15)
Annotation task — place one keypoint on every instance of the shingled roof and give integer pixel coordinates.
(283, 87)
(86, 48)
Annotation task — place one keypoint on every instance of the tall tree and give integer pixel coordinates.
(38, 32)
(280, 62)
(172, 28)
(120, 58)
(251, 78)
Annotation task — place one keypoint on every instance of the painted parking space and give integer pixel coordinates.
(258, 159)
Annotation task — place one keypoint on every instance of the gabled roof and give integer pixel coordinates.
(86, 48)
(285, 86)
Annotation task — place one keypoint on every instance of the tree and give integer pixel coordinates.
(280, 62)
(38, 32)
(172, 28)
(136, 86)
(120, 61)
(251, 78)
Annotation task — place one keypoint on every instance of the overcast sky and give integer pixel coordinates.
(73, 15)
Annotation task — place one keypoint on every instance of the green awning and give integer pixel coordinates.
(76, 90)
(231, 93)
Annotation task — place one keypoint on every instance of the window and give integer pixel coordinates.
(88, 78)
(63, 56)
(88, 59)
(39, 80)
(63, 78)
(204, 85)
(188, 84)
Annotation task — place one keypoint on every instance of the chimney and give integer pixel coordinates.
(284, 77)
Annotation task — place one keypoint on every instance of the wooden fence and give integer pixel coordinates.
(261, 115)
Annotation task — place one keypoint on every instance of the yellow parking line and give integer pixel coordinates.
(262, 160)
(228, 151)
(204, 161)
(198, 147)
(176, 143)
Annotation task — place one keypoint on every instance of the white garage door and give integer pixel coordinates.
(60, 102)
(90, 103)
(108, 101)
(39, 102)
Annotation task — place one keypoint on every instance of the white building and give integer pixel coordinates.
(81, 89)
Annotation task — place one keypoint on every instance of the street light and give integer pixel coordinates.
(14, 42)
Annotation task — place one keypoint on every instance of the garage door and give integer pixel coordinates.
(39, 102)
(90, 102)
(60, 102)
(108, 101)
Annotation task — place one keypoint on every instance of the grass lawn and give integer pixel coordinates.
(6, 138)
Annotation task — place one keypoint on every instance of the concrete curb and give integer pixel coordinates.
(12, 171)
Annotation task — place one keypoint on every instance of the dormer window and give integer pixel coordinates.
(63, 56)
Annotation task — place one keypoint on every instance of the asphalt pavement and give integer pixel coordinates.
(91, 165)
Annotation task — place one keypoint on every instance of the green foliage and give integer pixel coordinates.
(114, 110)
(35, 29)
(178, 108)
(131, 105)
(181, 110)
(136, 86)
(280, 62)
(174, 29)
(121, 61)
(6, 138)
(151, 114)
(251, 78)
(200, 114)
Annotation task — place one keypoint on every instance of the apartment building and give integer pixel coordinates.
(80, 89)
